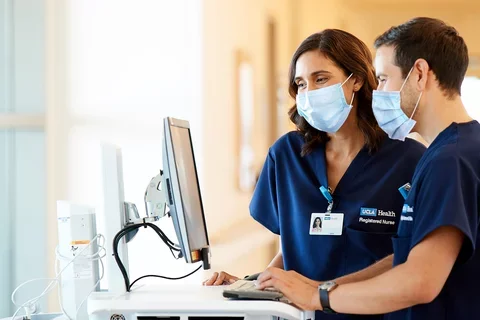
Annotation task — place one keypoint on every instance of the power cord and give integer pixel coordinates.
(172, 246)
(163, 277)
(27, 306)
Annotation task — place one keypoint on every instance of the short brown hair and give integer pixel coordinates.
(351, 55)
(436, 42)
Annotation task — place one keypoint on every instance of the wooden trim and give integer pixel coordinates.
(19, 121)
(241, 60)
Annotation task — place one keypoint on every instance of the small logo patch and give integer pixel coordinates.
(407, 209)
(368, 212)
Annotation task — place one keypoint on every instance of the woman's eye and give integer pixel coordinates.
(321, 80)
(301, 85)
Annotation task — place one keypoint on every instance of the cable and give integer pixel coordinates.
(27, 282)
(28, 303)
(172, 246)
(124, 232)
(93, 289)
(55, 281)
(84, 300)
(163, 277)
(116, 240)
(99, 255)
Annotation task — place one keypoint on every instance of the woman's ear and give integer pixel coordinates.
(357, 83)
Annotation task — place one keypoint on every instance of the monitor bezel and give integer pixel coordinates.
(169, 159)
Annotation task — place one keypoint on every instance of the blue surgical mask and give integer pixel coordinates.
(389, 114)
(325, 109)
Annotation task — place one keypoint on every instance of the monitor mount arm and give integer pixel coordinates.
(155, 200)
(155, 207)
(155, 203)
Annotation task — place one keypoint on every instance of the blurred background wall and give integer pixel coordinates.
(76, 73)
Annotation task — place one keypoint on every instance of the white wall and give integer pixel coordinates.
(470, 89)
(230, 26)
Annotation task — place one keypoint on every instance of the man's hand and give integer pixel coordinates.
(218, 279)
(294, 287)
(300, 277)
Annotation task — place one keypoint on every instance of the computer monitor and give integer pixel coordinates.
(183, 197)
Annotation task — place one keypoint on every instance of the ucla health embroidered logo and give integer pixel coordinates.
(407, 213)
(407, 209)
(368, 212)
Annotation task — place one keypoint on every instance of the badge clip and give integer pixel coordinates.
(405, 189)
(326, 193)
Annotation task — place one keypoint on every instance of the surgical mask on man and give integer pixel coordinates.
(325, 109)
(389, 114)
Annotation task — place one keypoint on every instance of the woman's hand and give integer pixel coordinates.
(218, 279)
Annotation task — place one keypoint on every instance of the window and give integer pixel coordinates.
(22, 150)
(470, 89)
(87, 72)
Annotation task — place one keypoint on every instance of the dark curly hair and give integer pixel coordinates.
(351, 55)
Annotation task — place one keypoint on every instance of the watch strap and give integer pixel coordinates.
(325, 301)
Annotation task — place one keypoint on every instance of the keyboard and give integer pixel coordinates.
(242, 285)
(245, 289)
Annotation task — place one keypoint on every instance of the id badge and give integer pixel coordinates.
(326, 224)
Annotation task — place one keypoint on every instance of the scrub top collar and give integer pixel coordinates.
(448, 131)
(357, 165)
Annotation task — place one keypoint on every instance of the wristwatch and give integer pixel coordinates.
(323, 291)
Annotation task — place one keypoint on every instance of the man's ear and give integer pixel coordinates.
(421, 69)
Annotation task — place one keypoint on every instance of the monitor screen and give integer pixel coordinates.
(183, 190)
(187, 178)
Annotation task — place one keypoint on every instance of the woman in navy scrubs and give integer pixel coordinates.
(338, 166)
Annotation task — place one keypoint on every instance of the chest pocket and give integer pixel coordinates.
(365, 248)
(369, 233)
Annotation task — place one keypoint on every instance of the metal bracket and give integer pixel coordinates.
(155, 201)
(155, 206)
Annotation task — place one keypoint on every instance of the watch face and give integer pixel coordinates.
(327, 285)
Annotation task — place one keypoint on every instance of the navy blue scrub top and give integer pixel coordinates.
(445, 192)
(287, 194)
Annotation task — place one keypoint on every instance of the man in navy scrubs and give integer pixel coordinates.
(436, 267)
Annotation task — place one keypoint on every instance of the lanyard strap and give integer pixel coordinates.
(327, 194)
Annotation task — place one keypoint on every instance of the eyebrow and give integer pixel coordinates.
(315, 73)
